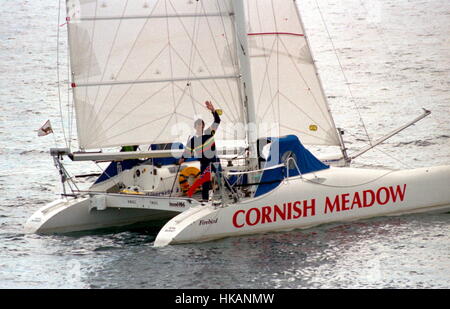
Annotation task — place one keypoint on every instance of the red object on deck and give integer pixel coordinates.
(205, 177)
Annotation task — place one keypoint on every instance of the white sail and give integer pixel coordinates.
(141, 70)
(286, 88)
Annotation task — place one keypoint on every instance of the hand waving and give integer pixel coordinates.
(209, 106)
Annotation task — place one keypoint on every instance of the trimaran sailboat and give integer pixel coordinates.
(141, 71)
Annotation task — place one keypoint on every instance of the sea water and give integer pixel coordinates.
(395, 56)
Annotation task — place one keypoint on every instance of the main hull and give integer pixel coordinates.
(332, 195)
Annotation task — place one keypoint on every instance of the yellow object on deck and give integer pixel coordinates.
(187, 172)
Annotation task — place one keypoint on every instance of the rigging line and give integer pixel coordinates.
(174, 113)
(104, 172)
(129, 112)
(128, 89)
(382, 39)
(232, 51)
(70, 104)
(91, 49)
(228, 115)
(167, 123)
(343, 73)
(137, 127)
(230, 54)
(278, 67)
(69, 109)
(392, 157)
(223, 69)
(379, 32)
(378, 148)
(325, 116)
(270, 105)
(146, 123)
(218, 55)
(128, 55)
(191, 54)
(171, 63)
(307, 115)
(305, 133)
(57, 75)
(266, 73)
(224, 128)
(348, 186)
(198, 102)
(179, 102)
(266, 77)
(110, 52)
(303, 78)
(322, 92)
(201, 58)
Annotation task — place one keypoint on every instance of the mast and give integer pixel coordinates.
(246, 80)
(339, 131)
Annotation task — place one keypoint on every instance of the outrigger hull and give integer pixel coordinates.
(98, 211)
(331, 195)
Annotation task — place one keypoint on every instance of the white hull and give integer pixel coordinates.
(332, 195)
(103, 211)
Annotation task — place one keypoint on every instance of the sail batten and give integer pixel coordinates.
(149, 81)
(91, 18)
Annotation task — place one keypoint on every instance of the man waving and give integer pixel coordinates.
(202, 146)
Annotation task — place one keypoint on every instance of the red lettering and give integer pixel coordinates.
(398, 192)
(289, 211)
(297, 210)
(329, 206)
(365, 200)
(266, 210)
(312, 207)
(345, 200)
(278, 211)
(379, 196)
(248, 216)
(235, 219)
(356, 201)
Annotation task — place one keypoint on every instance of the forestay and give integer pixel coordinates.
(286, 88)
(142, 70)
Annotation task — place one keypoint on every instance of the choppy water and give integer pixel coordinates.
(396, 57)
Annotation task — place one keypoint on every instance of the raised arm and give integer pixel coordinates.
(213, 128)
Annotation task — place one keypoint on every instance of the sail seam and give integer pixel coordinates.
(325, 116)
(109, 54)
(93, 18)
(266, 75)
(275, 33)
(150, 81)
(128, 55)
(90, 60)
(128, 113)
(170, 62)
(131, 83)
(233, 100)
(203, 61)
(344, 75)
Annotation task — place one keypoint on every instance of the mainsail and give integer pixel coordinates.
(142, 69)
